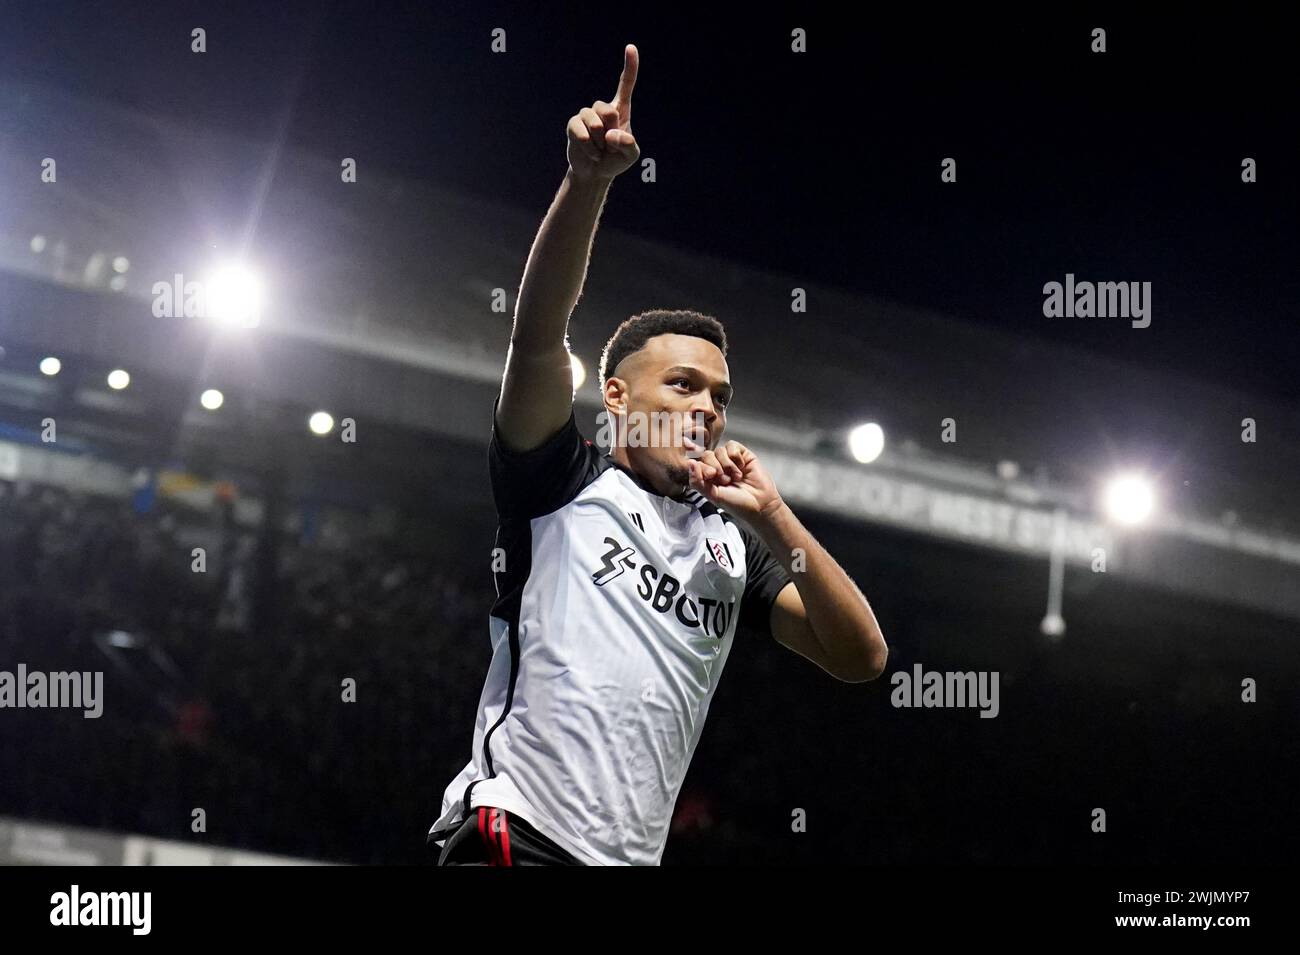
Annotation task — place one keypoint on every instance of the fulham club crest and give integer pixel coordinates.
(720, 553)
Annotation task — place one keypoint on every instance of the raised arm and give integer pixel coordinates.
(537, 390)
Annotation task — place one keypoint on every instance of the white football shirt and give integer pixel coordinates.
(615, 613)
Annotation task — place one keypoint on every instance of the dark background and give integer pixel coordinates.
(1117, 166)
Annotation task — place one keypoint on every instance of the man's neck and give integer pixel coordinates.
(678, 493)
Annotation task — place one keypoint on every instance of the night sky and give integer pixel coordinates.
(1122, 166)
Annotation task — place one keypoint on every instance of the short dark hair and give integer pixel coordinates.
(632, 335)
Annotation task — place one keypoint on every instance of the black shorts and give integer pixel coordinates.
(491, 836)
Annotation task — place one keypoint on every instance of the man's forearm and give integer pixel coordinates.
(557, 264)
(838, 613)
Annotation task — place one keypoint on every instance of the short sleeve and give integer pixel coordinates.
(528, 484)
(764, 579)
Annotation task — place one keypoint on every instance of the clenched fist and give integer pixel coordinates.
(601, 144)
(731, 476)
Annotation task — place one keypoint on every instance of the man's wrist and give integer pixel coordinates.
(587, 184)
(772, 514)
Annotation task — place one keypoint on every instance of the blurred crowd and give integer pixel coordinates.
(322, 722)
(314, 693)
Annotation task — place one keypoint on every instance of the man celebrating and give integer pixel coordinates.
(624, 574)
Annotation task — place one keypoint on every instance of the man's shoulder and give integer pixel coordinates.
(540, 480)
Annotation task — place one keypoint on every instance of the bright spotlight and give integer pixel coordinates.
(866, 441)
(38, 244)
(1129, 499)
(51, 366)
(235, 297)
(121, 263)
(321, 422)
(120, 638)
(118, 379)
(212, 399)
(579, 371)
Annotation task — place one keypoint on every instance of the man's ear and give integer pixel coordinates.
(616, 390)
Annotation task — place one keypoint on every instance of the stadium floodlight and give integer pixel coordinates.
(234, 296)
(579, 371)
(121, 263)
(1129, 499)
(322, 422)
(120, 638)
(51, 366)
(118, 379)
(866, 441)
(212, 399)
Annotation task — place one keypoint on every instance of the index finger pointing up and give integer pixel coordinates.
(628, 79)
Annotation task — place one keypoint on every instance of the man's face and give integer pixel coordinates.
(676, 389)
